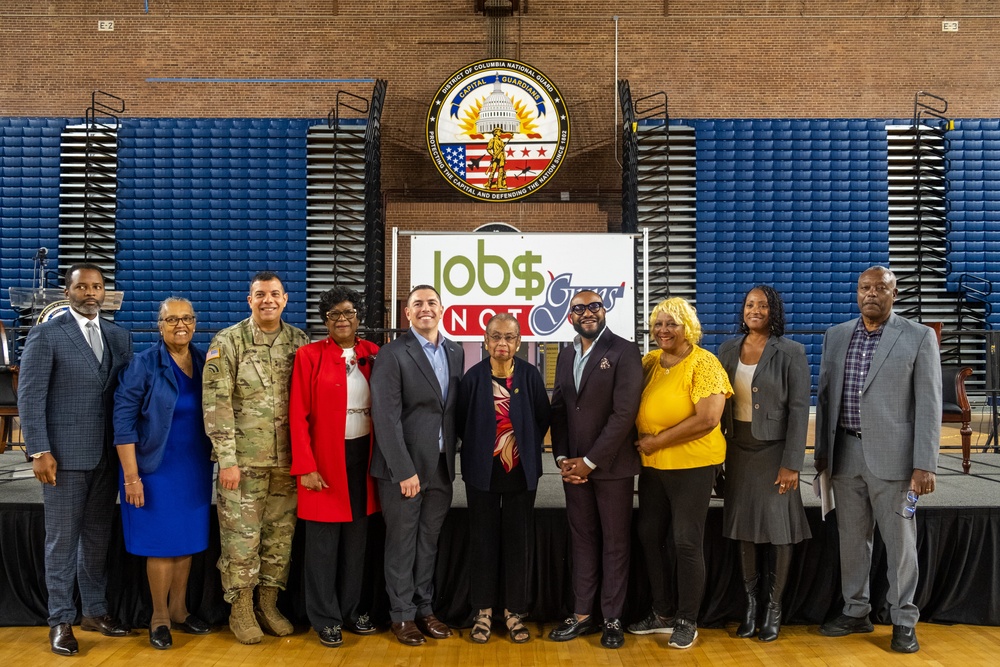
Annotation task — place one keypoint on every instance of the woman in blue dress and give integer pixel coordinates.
(166, 469)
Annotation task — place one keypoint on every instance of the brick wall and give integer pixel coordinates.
(715, 59)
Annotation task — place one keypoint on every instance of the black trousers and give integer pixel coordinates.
(677, 500)
(333, 572)
(501, 528)
(334, 559)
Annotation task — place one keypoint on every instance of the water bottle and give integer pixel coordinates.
(909, 506)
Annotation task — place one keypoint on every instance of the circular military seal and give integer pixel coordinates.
(498, 130)
(53, 310)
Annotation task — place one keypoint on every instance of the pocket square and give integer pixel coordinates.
(605, 364)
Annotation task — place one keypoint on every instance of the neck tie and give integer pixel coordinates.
(94, 338)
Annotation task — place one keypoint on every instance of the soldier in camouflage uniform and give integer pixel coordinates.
(247, 378)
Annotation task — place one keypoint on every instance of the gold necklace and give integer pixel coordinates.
(666, 369)
(507, 374)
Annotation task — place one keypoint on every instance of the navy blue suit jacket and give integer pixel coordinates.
(64, 404)
(529, 415)
(144, 404)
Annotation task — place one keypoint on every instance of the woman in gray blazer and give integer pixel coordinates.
(765, 423)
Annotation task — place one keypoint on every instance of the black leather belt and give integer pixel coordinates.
(855, 434)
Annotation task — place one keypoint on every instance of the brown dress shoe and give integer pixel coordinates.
(107, 625)
(407, 633)
(432, 627)
(62, 640)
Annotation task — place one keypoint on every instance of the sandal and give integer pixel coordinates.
(518, 633)
(481, 629)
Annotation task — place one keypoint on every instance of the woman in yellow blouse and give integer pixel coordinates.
(682, 450)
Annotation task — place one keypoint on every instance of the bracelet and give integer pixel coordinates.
(137, 480)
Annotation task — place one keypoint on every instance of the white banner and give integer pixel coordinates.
(530, 276)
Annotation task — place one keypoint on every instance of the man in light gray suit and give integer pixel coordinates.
(414, 386)
(878, 424)
(69, 372)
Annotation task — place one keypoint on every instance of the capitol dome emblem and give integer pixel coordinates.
(498, 130)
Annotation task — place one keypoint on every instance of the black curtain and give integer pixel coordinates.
(959, 555)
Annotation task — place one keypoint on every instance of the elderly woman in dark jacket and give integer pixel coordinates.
(503, 413)
(166, 481)
(765, 423)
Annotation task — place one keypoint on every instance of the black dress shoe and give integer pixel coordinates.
(904, 639)
(62, 640)
(159, 637)
(106, 625)
(845, 625)
(331, 637)
(193, 625)
(613, 636)
(572, 628)
(362, 626)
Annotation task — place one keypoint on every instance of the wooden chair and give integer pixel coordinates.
(955, 402)
(8, 392)
(956, 408)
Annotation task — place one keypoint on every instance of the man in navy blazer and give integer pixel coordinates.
(69, 371)
(594, 404)
(414, 387)
(878, 428)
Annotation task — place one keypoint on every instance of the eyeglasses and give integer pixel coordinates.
(507, 338)
(334, 315)
(581, 308)
(174, 321)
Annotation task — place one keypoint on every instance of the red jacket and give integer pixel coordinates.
(317, 414)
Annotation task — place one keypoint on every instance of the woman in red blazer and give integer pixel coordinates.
(330, 416)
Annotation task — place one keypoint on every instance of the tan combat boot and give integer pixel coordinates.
(241, 618)
(268, 615)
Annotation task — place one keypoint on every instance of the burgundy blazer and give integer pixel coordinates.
(598, 421)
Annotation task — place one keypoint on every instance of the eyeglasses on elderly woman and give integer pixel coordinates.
(174, 321)
(334, 315)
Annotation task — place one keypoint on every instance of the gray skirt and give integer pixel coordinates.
(754, 511)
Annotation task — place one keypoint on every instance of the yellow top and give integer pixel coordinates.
(669, 397)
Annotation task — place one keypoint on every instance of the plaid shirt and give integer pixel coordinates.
(859, 360)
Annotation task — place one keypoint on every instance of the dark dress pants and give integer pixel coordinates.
(600, 526)
(412, 527)
(501, 528)
(334, 560)
(79, 511)
(333, 573)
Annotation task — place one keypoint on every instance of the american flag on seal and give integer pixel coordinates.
(525, 161)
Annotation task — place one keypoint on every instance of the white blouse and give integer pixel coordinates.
(359, 399)
(743, 393)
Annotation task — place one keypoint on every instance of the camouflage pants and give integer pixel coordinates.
(256, 525)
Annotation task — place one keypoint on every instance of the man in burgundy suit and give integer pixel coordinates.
(596, 397)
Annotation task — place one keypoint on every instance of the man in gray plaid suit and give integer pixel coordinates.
(69, 372)
(878, 425)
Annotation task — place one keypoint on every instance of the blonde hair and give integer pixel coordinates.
(683, 313)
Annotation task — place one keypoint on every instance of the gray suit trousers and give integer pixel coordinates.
(863, 500)
(412, 527)
(79, 512)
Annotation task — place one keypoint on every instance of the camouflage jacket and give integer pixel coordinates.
(245, 386)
